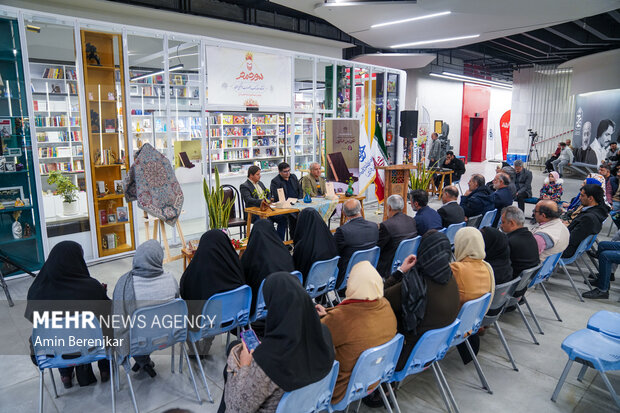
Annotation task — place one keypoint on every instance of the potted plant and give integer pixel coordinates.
(67, 190)
(219, 208)
(264, 197)
(421, 178)
(308, 196)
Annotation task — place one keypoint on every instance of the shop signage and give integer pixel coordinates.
(504, 131)
(241, 77)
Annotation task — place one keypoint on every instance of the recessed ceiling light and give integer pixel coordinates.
(461, 78)
(428, 16)
(448, 39)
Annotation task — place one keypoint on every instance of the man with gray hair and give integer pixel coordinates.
(451, 212)
(523, 247)
(392, 231)
(355, 235)
(313, 183)
(523, 184)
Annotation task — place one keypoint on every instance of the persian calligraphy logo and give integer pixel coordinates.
(250, 75)
(362, 153)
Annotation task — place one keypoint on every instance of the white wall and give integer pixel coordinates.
(595, 72)
(501, 101)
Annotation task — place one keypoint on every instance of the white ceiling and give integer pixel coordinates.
(489, 18)
(397, 60)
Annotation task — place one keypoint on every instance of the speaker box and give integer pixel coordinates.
(409, 124)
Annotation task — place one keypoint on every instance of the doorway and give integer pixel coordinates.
(475, 136)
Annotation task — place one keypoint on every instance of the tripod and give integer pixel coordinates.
(5, 287)
(533, 149)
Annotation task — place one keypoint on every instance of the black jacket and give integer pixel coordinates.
(586, 223)
(523, 182)
(523, 250)
(451, 213)
(247, 193)
(391, 232)
(458, 167)
(292, 189)
(478, 202)
(355, 235)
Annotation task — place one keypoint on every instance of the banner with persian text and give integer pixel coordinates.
(242, 77)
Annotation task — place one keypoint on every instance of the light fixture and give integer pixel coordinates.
(331, 3)
(448, 39)
(491, 83)
(183, 55)
(158, 72)
(32, 28)
(427, 16)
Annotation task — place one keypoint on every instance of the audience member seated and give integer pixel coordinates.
(355, 235)
(552, 188)
(253, 192)
(451, 212)
(313, 183)
(287, 181)
(426, 218)
(590, 220)
(502, 197)
(523, 184)
(296, 351)
(264, 255)
(612, 157)
(565, 159)
(392, 231)
(313, 241)
(550, 233)
(425, 297)
(65, 278)
(362, 321)
(611, 182)
(214, 269)
(608, 254)
(477, 200)
(146, 284)
(454, 163)
(574, 207)
(497, 254)
(523, 247)
(549, 162)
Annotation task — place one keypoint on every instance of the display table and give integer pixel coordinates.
(443, 172)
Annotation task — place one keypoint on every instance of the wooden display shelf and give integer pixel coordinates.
(118, 250)
(109, 197)
(114, 224)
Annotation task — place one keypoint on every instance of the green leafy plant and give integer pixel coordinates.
(219, 209)
(264, 195)
(64, 186)
(420, 178)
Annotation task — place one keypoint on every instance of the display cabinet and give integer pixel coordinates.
(104, 85)
(392, 120)
(20, 230)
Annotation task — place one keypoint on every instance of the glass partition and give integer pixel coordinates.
(304, 93)
(323, 101)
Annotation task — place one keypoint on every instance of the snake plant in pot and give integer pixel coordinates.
(67, 190)
(219, 208)
(420, 178)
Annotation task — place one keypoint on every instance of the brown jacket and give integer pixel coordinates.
(473, 278)
(356, 327)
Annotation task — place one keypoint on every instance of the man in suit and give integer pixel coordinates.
(287, 181)
(355, 235)
(502, 197)
(426, 218)
(313, 183)
(477, 200)
(451, 212)
(253, 192)
(523, 246)
(392, 231)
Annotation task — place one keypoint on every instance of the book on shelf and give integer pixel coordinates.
(53, 73)
(6, 128)
(110, 125)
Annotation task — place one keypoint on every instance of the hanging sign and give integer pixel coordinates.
(241, 77)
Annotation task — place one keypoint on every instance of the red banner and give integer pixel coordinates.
(504, 130)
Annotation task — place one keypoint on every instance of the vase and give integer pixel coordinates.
(70, 208)
(307, 199)
(16, 228)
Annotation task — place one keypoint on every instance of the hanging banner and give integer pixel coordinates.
(245, 78)
(504, 131)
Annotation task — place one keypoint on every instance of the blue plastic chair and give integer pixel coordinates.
(543, 274)
(431, 347)
(375, 365)
(227, 310)
(371, 255)
(584, 246)
(593, 349)
(452, 230)
(526, 278)
(606, 322)
(314, 397)
(405, 248)
(51, 345)
(471, 315)
(487, 219)
(149, 336)
(299, 276)
(260, 311)
(322, 277)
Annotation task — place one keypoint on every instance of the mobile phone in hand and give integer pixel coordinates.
(250, 339)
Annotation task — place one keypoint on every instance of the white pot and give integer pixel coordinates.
(70, 208)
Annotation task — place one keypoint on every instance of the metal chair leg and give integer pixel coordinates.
(442, 391)
(572, 283)
(5, 287)
(483, 379)
(227, 340)
(447, 387)
(550, 302)
(582, 372)
(191, 373)
(112, 390)
(613, 393)
(202, 372)
(503, 340)
(41, 380)
(172, 358)
(116, 370)
(357, 407)
(585, 278)
(181, 361)
(53, 383)
(131, 393)
(384, 398)
(533, 315)
(527, 324)
(393, 397)
(569, 364)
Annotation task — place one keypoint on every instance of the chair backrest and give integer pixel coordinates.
(405, 248)
(150, 334)
(322, 277)
(374, 365)
(471, 316)
(474, 221)
(526, 277)
(53, 347)
(583, 246)
(227, 310)
(431, 347)
(314, 397)
(452, 230)
(229, 192)
(298, 275)
(487, 219)
(546, 269)
(501, 297)
(371, 254)
(260, 311)
(606, 322)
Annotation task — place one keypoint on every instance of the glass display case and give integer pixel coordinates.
(392, 121)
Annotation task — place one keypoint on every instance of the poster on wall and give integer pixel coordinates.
(240, 77)
(342, 146)
(596, 126)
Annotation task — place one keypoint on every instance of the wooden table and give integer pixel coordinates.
(252, 211)
(189, 254)
(438, 190)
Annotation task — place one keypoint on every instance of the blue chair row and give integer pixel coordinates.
(487, 219)
(371, 255)
(543, 274)
(452, 230)
(405, 248)
(584, 246)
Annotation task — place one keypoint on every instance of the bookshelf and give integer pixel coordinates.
(104, 83)
(303, 144)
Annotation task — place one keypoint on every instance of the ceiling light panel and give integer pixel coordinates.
(447, 39)
(412, 19)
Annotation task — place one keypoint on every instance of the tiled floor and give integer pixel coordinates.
(529, 389)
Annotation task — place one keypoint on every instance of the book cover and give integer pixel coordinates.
(110, 125)
(103, 217)
(122, 215)
(6, 129)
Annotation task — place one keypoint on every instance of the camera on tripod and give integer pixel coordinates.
(533, 135)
